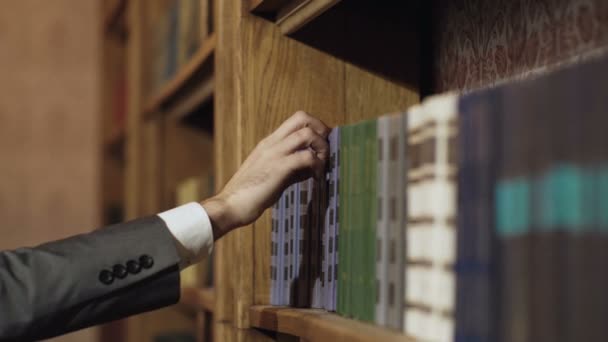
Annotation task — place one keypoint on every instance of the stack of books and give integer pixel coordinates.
(474, 217)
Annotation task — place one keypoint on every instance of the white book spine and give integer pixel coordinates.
(317, 300)
(431, 230)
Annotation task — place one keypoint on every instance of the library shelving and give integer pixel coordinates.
(186, 75)
(256, 64)
(318, 325)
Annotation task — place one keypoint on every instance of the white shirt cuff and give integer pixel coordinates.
(191, 228)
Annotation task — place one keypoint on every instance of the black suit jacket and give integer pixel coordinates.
(87, 279)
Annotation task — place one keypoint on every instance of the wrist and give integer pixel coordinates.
(218, 211)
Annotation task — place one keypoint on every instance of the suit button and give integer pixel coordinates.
(119, 271)
(106, 277)
(146, 261)
(133, 267)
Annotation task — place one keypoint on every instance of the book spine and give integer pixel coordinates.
(381, 238)
(296, 246)
(342, 288)
(281, 253)
(171, 42)
(336, 207)
(326, 207)
(304, 202)
(315, 244)
(287, 295)
(396, 211)
(273, 254)
(441, 113)
(418, 240)
(358, 267)
(331, 218)
(369, 230)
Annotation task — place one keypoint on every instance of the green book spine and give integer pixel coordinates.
(358, 246)
(370, 232)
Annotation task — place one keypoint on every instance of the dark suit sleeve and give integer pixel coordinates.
(87, 279)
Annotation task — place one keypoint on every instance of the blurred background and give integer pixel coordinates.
(66, 146)
(50, 62)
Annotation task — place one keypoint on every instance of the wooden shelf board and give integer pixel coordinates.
(173, 87)
(319, 325)
(196, 300)
(291, 15)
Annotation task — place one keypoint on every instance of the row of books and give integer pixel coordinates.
(177, 28)
(475, 217)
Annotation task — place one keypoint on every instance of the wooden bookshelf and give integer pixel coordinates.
(177, 84)
(319, 325)
(196, 299)
(115, 10)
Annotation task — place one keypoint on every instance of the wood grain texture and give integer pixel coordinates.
(292, 19)
(134, 78)
(226, 141)
(151, 170)
(319, 325)
(368, 95)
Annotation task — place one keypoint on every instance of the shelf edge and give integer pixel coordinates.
(173, 86)
(319, 325)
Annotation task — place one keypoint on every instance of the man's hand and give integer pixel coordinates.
(297, 150)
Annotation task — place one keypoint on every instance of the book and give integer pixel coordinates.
(396, 218)
(382, 226)
(274, 286)
(335, 140)
(343, 307)
(282, 251)
(431, 225)
(478, 141)
(171, 42)
(369, 215)
(188, 29)
(305, 200)
(316, 300)
(331, 220)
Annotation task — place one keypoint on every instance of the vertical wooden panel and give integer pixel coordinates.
(150, 177)
(134, 87)
(226, 142)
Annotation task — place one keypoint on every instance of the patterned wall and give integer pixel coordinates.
(481, 42)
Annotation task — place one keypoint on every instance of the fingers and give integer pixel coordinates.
(303, 139)
(296, 122)
(304, 162)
